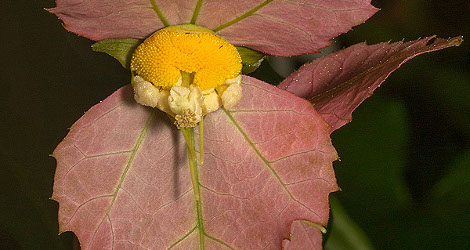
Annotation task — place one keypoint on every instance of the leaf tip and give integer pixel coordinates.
(458, 40)
(48, 10)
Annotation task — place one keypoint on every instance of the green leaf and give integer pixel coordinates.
(121, 49)
(454, 188)
(345, 233)
(373, 154)
(251, 59)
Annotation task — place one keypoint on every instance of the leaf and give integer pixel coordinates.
(337, 83)
(283, 28)
(453, 188)
(344, 232)
(123, 180)
(120, 49)
(251, 59)
(301, 237)
(371, 172)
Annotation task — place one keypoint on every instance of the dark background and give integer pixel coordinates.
(405, 158)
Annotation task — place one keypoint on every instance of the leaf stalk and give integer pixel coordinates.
(188, 134)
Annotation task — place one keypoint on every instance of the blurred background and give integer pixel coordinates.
(405, 157)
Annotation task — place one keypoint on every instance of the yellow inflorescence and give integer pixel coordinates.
(161, 58)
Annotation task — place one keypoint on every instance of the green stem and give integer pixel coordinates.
(317, 226)
(192, 158)
(201, 141)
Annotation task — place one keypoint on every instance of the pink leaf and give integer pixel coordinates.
(303, 237)
(276, 27)
(122, 179)
(337, 83)
(285, 28)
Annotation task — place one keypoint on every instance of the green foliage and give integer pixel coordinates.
(251, 59)
(121, 49)
(344, 233)
(372, 149)
(453, 189)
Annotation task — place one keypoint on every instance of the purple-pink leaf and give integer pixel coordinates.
(123, 180)
(276, 27)
(284, 28)
(337, 83)
(302, 237)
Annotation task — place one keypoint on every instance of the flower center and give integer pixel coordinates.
(163, 57)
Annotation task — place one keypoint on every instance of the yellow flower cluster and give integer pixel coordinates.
(162, 57)
(186, 71)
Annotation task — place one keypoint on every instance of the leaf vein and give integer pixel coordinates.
(295, 154)
(309, 35)
(127, 167)
(196, 11)
(99, 117)
(83, 204)
(253, 146)
(243, 16)
(390, 60)
(221, 242)
(308, 179)
(135, 202)
(182, 238)
(266, 162)
(159, 13)
(112, 231)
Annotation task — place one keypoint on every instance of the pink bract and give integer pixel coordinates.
(123, 181)
(337, 83)
(276, 27)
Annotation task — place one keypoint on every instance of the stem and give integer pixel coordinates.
(201, 141)
(192, 158)
(317, 226)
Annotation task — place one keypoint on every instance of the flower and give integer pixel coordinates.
(186, 71)
(268, 158)
(273, 27)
